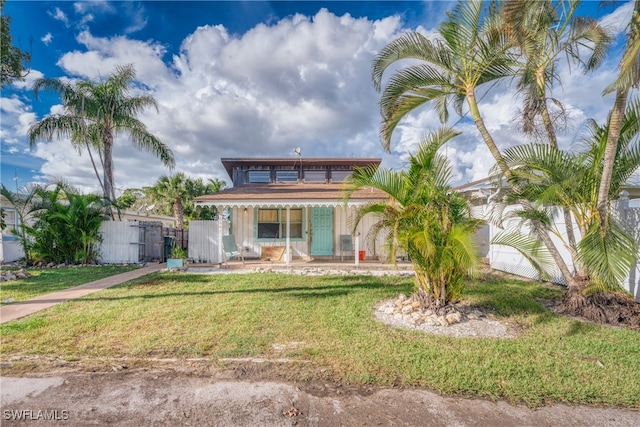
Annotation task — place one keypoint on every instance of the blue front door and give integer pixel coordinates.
(322, 231)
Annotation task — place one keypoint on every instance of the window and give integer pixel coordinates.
(259, 176)
(339, 176)
(272, 223)
(287, 176)
(10, 220)
(315, 176)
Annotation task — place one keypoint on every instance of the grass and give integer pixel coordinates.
(44, 281)
(555, 359)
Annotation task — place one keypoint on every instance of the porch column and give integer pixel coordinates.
(287, 253)
(220, 258)
(357, 251)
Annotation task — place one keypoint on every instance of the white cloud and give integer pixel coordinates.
(16, 118)
(618, 20)
(101, 6)
(137, 14)
(32, 76)
(299, 82)
(46, 39)
(59, 15)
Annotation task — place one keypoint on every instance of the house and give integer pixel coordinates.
(295, 203)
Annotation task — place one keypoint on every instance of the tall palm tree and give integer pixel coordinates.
(424, 218)
(544, 32)
(474, 50)
(172, 191)
(628, 78)
(95, 113)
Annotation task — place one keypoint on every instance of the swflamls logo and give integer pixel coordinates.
(35, 415)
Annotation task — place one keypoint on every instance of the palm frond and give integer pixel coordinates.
(609, 253)
(530, 248)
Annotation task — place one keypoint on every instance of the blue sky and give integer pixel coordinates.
(243, 78)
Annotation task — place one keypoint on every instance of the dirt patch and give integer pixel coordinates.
(610, 308)
(183, 394)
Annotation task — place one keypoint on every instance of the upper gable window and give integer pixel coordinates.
(315, 176)
(259, 176)
(339, 176)
(287, 176)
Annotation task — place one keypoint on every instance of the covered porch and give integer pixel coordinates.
(300, 223)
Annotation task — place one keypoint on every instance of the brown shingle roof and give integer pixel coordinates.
(298, 194)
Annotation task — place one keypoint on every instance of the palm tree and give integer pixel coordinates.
(552, 177)
(95, 113)
(543, 32)
(628, 78)
(172, 191)
(473, 51)
(25, 201)
(66, 226)
(199, 188)
(425, 219)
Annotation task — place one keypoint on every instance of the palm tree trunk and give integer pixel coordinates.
(93, 163)
(178, 211)
(538, 227)
(108, 169)
(615, 126)
(568, 221)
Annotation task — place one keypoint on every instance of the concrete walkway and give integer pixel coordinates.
(20, 309)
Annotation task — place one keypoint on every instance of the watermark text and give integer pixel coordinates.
(35, 415)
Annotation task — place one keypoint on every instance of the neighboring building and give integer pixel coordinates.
(10, 247)
(167, 221)
(275, 201)
(483, 193)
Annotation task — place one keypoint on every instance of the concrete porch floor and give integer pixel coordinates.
(299, 264)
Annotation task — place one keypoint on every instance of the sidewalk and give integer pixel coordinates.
(24, 308)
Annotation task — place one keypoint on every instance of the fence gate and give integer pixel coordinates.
(150, 241)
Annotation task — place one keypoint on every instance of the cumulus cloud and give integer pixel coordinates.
(298, 82)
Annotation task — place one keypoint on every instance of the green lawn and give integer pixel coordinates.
(221, 316)
(44, 281)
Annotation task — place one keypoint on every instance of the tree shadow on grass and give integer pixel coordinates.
(513, 297)
(346, 286)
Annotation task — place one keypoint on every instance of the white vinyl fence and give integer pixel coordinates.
(204, 240)
(119, 242)
(507, 259)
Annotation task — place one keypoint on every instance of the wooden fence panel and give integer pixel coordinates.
(181, 236)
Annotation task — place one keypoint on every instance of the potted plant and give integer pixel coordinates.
(178, 257)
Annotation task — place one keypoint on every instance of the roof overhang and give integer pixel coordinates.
(288, 195)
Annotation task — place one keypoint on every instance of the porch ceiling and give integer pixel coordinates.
(283, 195)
